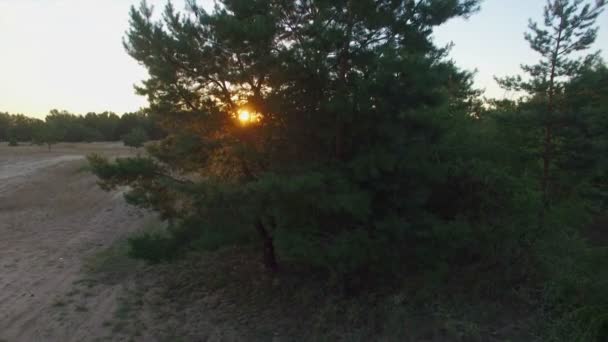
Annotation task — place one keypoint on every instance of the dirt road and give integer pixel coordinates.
(52, 217)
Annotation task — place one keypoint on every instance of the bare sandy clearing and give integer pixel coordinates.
(52, 217)
(13, 173)
(25, 167)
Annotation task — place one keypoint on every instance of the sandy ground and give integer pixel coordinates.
(52, 217)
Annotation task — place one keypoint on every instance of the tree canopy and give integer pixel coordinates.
(349, 153)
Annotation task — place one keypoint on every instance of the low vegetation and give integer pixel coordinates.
(135, 138)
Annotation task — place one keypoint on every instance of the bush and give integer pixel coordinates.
(136, 138)
(575, 299)
(152, 247)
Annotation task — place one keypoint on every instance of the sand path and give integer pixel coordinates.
(52, 217)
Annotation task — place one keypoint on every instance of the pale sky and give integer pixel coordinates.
(68, 54)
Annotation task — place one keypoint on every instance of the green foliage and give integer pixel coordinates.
(153, 248)
(48, 134)
(560, 131)
(13, 139)
(17, 127)
(166, 245)
(124, 170)
(581, 158)
(568, 30)
(575, 299)
(136, 138)
(5, 124)
(340, 169)
(67, 127)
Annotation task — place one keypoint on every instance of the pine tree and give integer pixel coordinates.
(567, 30)
(48, 133)
(583, 149)
(12, 140)
(5, 124)
(333, 132)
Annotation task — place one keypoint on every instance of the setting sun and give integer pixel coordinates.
(245, 116)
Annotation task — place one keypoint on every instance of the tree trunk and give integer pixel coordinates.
(270, 259)
(548, 141)
(343, 59)
(547, 155)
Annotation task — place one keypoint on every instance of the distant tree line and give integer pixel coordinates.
(63, 126)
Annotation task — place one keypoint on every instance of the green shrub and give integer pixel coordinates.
(152, 247)
(136, 138)
(575, 300)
